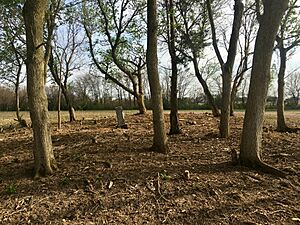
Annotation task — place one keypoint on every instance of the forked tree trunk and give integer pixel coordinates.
(210, 98)
(160, 137)
(34, 13)
(250, 150)
(281, 125)
(227, 66)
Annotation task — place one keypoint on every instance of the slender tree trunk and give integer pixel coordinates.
(210, 98)
(174, 122)
(71, 109)
(34, 14)
(141, 96)
(58, 107)
(232, 99)
(160, 137)
(250, 151)
(281, 125)
(17, 94)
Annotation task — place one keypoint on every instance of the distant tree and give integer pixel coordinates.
(12, 50)
(226, 66)
(34, 15)
(293, 86)
(247, 37)
(115, 33)
(269, 19)
(66, 57)
(191, 24)
(160, 138)
(287, 39)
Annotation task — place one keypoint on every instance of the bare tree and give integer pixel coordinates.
(293, 87)
(247, 37)
(65, 58)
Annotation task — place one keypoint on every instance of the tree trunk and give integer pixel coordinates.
(281, 125)
(160, 137)
(141, 96)
(17, 94)
(227, 69)
(58, 107)
(34, 14)
(210, 98)
(250, 151)
(174, 122)
(225, 109)
(232, 100)
(71, 109)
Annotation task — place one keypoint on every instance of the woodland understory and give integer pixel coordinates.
(108, 175)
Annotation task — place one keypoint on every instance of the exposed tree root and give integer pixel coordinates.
(163, 150)
(288, 130)
(265, 168)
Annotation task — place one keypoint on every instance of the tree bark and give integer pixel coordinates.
(174, 122)
(281, 125)
(160, 137)
(34, 14)
(250, 150)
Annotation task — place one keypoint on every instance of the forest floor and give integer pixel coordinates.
(109, 176)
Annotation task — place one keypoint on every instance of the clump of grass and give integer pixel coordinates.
(65, 181)
(11, 189)
(164, 175)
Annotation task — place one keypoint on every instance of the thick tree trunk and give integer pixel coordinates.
(250, 151)
(174, 122)
(141, 103)
(225, 109)
(281, 125)
(34, 13)
(210, 98)
(160, 137)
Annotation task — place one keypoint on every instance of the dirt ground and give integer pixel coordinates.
(109, 176)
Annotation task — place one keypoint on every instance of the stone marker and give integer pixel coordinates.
(120, 118)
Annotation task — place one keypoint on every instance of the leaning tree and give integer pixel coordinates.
(269, 19)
